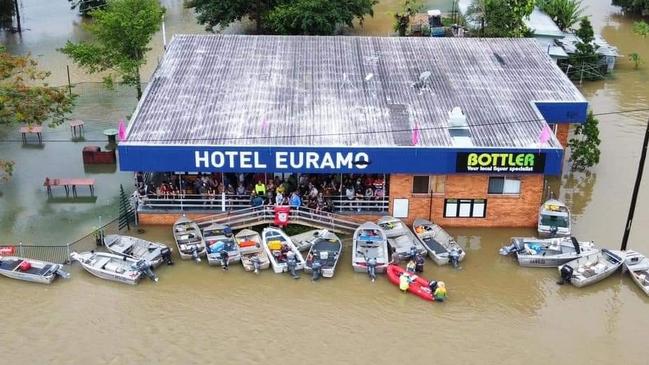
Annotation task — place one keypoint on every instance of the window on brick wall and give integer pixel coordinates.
(420, 184)
(465, 208)
(504, 185)
(435, 184)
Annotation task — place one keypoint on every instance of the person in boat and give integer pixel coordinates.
(404, 282)
(224, 259)
(419, 264)
(396, 259)
(411, 267)
(440, 292)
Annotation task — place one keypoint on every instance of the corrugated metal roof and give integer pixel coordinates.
(346, 91)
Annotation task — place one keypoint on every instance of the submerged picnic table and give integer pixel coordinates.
(37, 130)
(69, 183)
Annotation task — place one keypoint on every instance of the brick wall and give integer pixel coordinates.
(562, 134)
(502, 211)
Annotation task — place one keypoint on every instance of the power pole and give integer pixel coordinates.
(17, 16)
(636, 187)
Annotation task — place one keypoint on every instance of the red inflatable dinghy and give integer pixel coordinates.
(418, 287)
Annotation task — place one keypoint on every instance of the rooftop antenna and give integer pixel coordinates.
(164, 34)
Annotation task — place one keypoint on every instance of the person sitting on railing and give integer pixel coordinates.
(241, 190)
(256, 200)
(279, 198)
(321, 204)
(230, 190)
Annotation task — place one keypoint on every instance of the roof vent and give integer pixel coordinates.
(458, 128)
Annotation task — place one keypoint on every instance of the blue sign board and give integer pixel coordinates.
(409, 160)
(563, 112)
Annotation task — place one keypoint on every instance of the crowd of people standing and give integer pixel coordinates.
(321, 192)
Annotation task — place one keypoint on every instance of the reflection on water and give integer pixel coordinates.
(577, 191)
(497, 311)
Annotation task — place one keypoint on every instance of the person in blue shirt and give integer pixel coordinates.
(296, 202)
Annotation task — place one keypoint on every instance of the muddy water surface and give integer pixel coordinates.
(497, 312)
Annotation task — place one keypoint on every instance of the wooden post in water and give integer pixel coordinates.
(636, 187)
(19, 28)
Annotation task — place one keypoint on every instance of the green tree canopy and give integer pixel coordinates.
(122, 32)
(641, 28)
(318, 17)
(25, 97)
(584, 146)
(502, 18)
(565, 13)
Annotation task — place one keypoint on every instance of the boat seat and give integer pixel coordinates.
(111, 266)
(100, 263)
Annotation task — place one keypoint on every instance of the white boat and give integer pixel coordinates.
(113, 267)
(189, 239)
(592, 268)
(253, 256)
(393, 227)
(36, 271)
(441, 246)
(547, 252)
(219, 238)
(278, 246)
(324, 254)
(369, 242)
(554, 219)
(638, 267)
(137, 248)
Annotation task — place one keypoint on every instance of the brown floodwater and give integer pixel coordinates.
(497, 312)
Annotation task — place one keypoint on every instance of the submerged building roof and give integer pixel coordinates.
(237, 90)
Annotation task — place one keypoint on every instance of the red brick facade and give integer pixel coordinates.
(562, 134)
(501, 210)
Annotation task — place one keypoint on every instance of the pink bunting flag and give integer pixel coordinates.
(121, 130)
(545, 135)
(264, 123)
(415, 135)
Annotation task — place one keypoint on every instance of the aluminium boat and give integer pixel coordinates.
(219, 238)
(547, 252)
(441, 246)
(324, 254)
(137, 248)
(592, 268)
(279, 247)
(35, 271)
(253, 255)
(189, 239)
(369, 242)
(113, 267)
(638, 267)
(554, 219)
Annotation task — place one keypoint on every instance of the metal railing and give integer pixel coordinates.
(57, 253)
(265, 215)
(226, 202)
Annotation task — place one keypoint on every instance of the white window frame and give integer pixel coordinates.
(506, 179)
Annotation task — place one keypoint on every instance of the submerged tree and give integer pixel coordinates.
(565, 13)
(7, 13)
(585, 61)
(502, 18)
(122, 32)
(641, 28)
(640, 7)
(317, 17)
(87, 6)
(409, 8)
(584, 146)
(25, 97)
(283, 16)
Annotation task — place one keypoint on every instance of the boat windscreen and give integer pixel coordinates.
(554, 221)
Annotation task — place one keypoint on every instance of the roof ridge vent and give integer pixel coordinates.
(457, 119)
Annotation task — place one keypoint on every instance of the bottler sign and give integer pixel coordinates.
(500, 162)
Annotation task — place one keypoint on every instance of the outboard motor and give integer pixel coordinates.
(516, 246)
(165, 253)
(316, 270)
(419, 264)
(291, 263)
(195, 254)
(144, 267)
(60, 272)
(371, 268)
(432, 285)
(454, 257)
(553, 231)
(566, 274)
